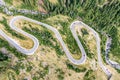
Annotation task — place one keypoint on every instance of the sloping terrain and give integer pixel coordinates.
(49, 62)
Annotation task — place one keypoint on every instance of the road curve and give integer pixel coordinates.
(36, 43)
(98, 47)
(16, 45)
(58, 36)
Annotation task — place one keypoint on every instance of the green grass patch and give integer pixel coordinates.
(89, 75)
(75, 68)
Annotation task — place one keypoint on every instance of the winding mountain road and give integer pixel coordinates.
(58, 36)
(79, 23)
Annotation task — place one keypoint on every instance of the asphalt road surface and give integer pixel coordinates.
(58, 36)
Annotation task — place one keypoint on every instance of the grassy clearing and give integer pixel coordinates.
(11, 75)
(88, 41)
(3, 76)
